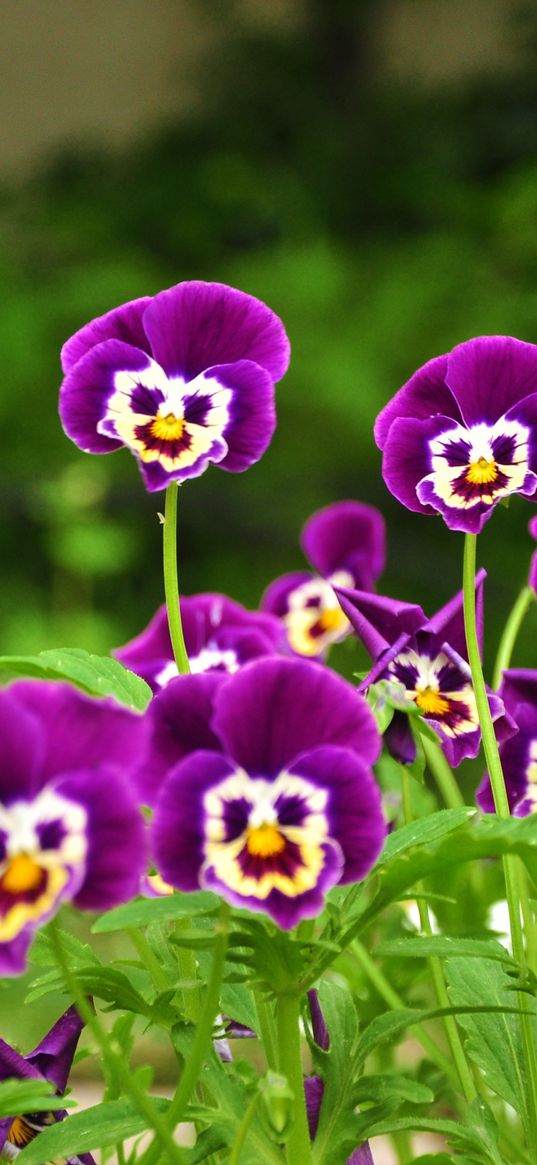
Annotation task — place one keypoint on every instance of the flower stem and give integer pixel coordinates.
(171, 582)
(515, 886)
(442, 774)
(242, 1131)
(298, 1146)
(510, 634)
(119, 1066)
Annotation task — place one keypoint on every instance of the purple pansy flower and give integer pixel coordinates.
(182, 378)
(461, 434)
(427, 657)
(50, 1061)
(220, 635)
(274, 802)
(69, 826)
(346, 545)
(519, 753)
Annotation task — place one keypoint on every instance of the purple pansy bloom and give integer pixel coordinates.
(519, 753)
(462, 432)
(182, 378)
(220, 635)
(69, 826)
(277, 803)
(428, 658)
(346, 545)
(50, 1062)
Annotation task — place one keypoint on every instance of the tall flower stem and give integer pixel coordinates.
(288, 1018)
(515, 885)
(171, 582)
(510, 634)
(442, 774)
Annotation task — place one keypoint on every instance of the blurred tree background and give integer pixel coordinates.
(384, 218)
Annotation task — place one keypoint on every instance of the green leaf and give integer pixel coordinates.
(145, 911)
(19, 1096)
(377, 1088)
(103, 1124)
(444, 946)
(104, 982)
(425, 831)
(98, 675)
(336, 1133)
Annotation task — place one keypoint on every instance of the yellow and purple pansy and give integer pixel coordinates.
(518, 690)
(182, 379)
(461, 434)
(263, 787)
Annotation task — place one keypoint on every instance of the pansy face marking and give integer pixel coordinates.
(315, 620)
(439, 688)
(177, 424)
(42, 855)
(263, 835)
(477, 466)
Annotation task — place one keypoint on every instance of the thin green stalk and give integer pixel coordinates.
(515, 886)
(437, 973)
(442, 774)
(242, 1132)
(171, 582)
(510, 634)
(267, 1031)
(149, 959)
(202, 1038)
(119, 1066)
(298, 1147)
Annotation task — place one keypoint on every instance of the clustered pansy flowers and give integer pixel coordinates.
(346, 545)
(182, 379)
(262, 786)
(461, 434)
(70, 828)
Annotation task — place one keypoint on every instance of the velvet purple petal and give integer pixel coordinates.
(88, 386)
(21, 748)
(195, 325)
(274, 709)
(424, 395)
(399, 739)
(12, 1064)
(407, 458)
(490, 374)
(314, 1091)
(115, 859)
(53, 1056)
(318, 1023)
(275, 598)
(448, 623)
(252, 413)
(346, 536)
(177, 833)
(378, 620)
(179, 723)
(122, 323)
(518, 686)
(354, 810)
(532, 573)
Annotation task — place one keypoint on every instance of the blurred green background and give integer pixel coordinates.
(367, 168)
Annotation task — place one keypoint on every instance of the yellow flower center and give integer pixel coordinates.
(22, 874)
(168, 428)
(332, 618)
(263, 841)
(432, 702)
(20, 1133)
(481, 472)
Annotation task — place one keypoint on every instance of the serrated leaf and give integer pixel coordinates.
(376, 1088)
(95, 1128)
(98, 675)
(426, 831)
(104, 982)
(444, 946)
(145, 911)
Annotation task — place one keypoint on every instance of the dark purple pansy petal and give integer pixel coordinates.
(532, 527)
(399, 739)
(54, 1054)
(407, 460)
(314, 1090)
(122, 323)
(518, 686)
(12, 1064)
(378, 620)
(490, 374)
(115, 859)
(361, 1156)
(179, 723)
(346, 536)
(89, 385)
(195, 325)
(448, 623)
(532, 573)
(274, 709)
(21, 748)
(177, 832)
(13, 954)
(318, 1023)
(354, 809)
(252, 413)
(424, 395)
(518, 756)
(276, 596)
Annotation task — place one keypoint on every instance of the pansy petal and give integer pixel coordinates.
(490, 374)
(354, 809)
(196, 325)
(346, 536)
(179, 720)
(12, 1064)
(399, 739)
(54, 1054)
(275, 596)
(314, 1091)
(407, 458)
(424, 395)
(178, 824)
(106, 371)
(378, 620)
(448, 622)
(122, 323)
(273, 709)
(252, 414)
(21, 747)
(115, 859)
(518, 686)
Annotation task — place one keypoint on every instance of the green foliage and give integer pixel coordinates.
(95, 675)
(95, 1128)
